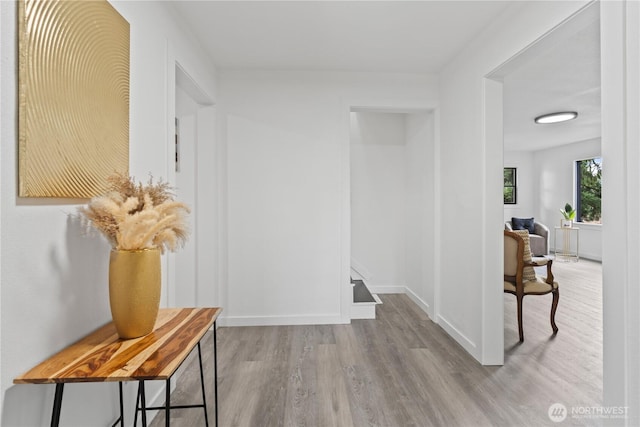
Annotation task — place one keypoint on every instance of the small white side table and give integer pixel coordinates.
(569, 240)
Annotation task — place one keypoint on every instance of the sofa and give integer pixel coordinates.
(538, 234)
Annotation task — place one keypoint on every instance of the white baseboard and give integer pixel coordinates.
(590, 257)
(328, 319)
(460, 338)
(419, 302)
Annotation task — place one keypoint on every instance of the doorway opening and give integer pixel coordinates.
(392, 214)
(559, 72)
(192, 163)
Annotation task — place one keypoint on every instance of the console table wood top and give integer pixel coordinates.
(103, 356)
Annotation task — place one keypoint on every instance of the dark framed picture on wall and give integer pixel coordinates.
(510, 189)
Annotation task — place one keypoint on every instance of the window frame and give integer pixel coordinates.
(577, 190)
(514, 186)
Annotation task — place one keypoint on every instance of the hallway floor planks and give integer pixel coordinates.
(404, 370)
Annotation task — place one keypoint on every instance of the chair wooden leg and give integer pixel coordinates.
(520, 330)
(554, 307)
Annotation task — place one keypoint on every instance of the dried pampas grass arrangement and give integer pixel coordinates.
(135, 216)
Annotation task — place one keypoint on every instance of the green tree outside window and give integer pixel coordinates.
(589, 190)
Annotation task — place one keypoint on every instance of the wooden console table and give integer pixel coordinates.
(102, 356)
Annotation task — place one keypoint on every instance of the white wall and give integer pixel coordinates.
(378, 203)
(470, 298)
(54, 278)
(420, 220)
(287, 143)
(377, 128)
(555, 186)
(526, 202)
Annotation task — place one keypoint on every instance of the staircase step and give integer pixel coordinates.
(361, 293)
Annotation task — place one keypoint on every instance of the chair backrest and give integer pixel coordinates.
(513, 255)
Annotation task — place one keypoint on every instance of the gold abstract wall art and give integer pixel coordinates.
(73, 97)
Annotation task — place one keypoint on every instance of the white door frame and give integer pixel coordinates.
(207, 259)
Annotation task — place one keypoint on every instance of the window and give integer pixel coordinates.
(589, 191)
(510, 189)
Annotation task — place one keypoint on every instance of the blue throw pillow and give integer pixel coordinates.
(523, 224)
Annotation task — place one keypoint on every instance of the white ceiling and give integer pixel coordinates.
(405, 37)
(384, 36)
(560, 73)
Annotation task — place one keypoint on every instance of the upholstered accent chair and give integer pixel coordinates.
(539, 237)
(520, 279)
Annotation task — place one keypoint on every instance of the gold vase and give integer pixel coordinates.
(134, 290)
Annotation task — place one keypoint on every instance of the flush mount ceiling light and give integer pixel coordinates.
(556, 117)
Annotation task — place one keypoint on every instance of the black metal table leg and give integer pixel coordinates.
(121, 404)
(204, 397)
(143, 404)
(57, 405)
(215, 369)
(167, 403)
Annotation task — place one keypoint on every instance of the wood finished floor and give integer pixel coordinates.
(404, 370)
